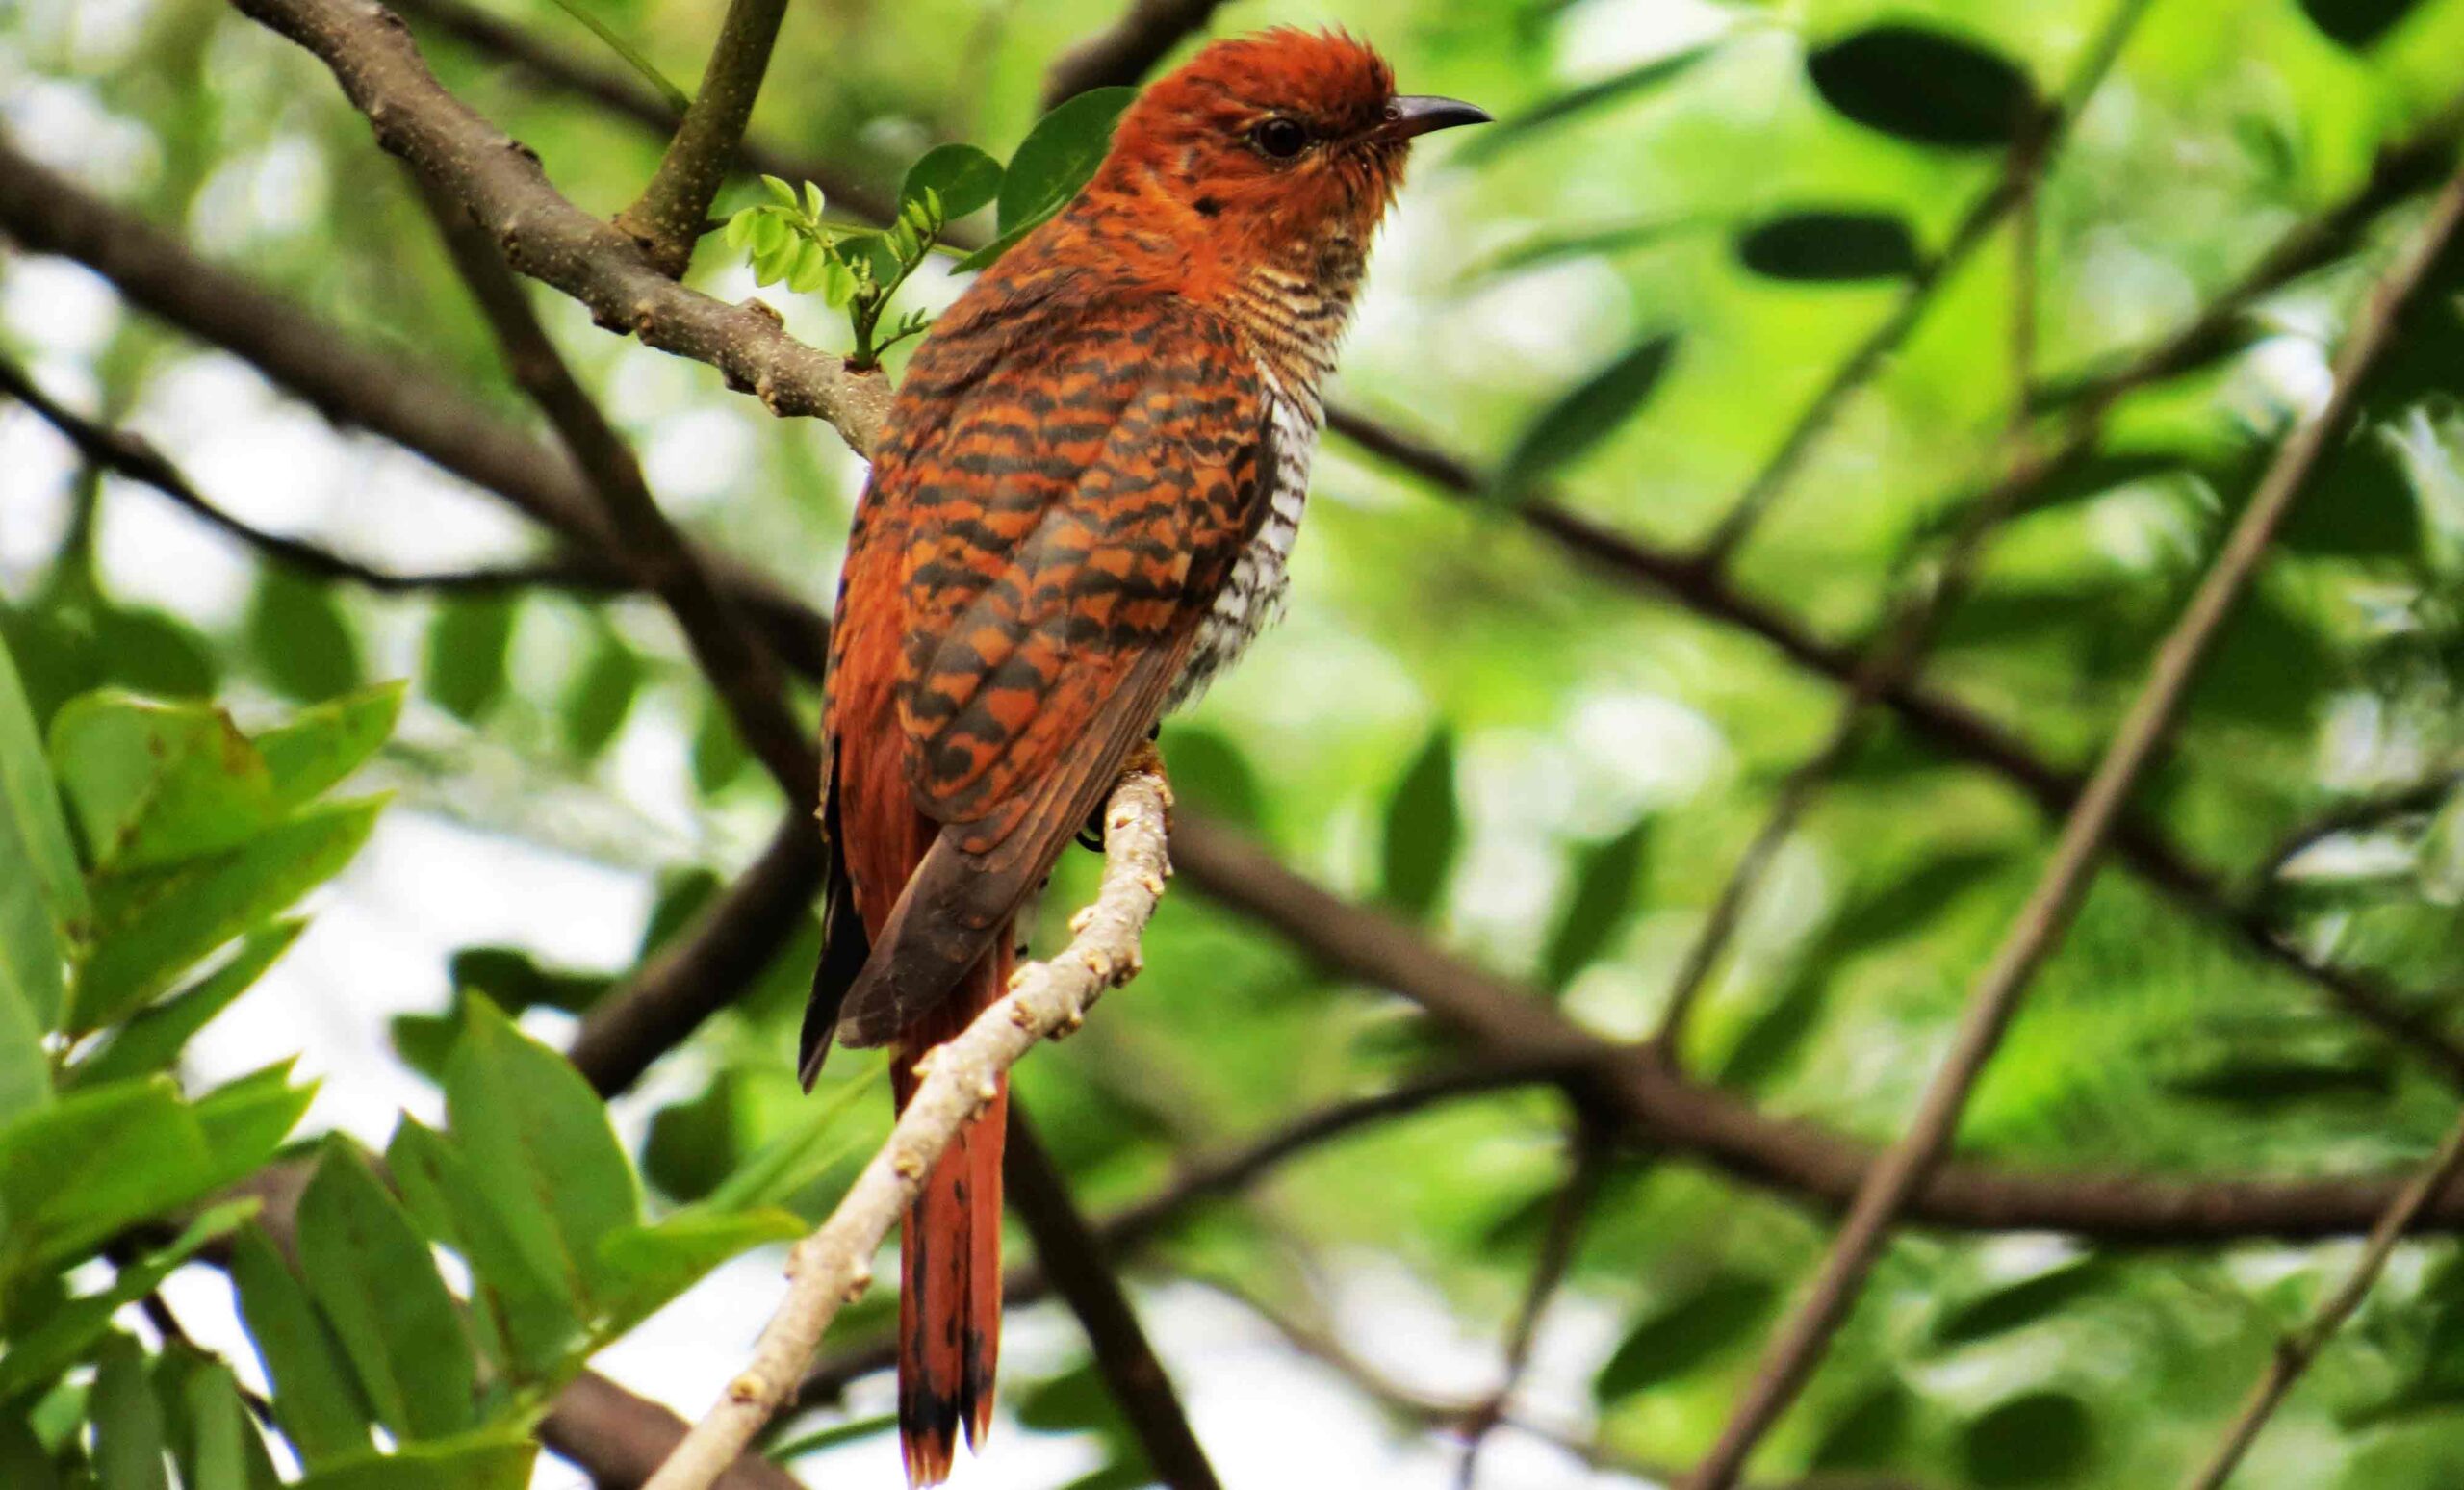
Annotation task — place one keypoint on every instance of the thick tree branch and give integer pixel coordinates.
(703, 971)
(667, 219)
(1080, 1268)
(1799, 1346)
(736, 664)
(1127, 49)
(834, 1265)
(373, 56)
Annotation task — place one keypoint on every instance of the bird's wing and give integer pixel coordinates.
(1067, 532)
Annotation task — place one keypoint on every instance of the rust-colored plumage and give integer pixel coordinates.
(1079, 512)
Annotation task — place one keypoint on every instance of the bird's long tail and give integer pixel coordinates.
(949, 1307)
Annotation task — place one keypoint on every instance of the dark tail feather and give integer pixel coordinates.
(949, 1307)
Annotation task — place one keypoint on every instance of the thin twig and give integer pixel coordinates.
(2041, 922)
(833, 1266)
(2294, 1353)
(1080, 1267)
(667, 219)
(1588, 1150)
(351, 382)
(130, 456)
(738, 667)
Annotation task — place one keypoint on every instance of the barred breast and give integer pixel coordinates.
(1293, 318)
(1253, 597)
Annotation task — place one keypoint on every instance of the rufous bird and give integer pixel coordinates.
(1079, 514)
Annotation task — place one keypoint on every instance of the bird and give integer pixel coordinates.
(1079, 514)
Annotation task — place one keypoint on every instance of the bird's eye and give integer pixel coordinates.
(1280, 138)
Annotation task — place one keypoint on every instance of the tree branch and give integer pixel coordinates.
(1124, 51)
(737, 666)
(371, 55)
(2038, 927)
(703, 971)
(2294, 1353)
(667, 219)
(1587, 1168)
(1080, 1268)
(130, 456)
(834, 1264)
(625, 95)
(378, 390)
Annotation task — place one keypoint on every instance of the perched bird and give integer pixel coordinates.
(1079, 513)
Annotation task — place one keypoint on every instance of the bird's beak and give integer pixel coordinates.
(1418, 114)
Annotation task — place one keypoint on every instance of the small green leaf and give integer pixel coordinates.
(1878, 917)
(2016, 1305)
(38, 1356)
(154, 923)
(322, 745)
(373, 1277)
(2037, 1438)
(1209, 772)
(1590, 97)
(2355, 24)
(1605, 879)
(798, 1157)
(838, 283)
(298, 636)
(513, 979)
(810, 268)
(1058, 156)
(1720, 1315)
(1925, 86)
(1831, 246)
(780, 191)
(153, 1039)
(1869, 1434)
(530, 1122)
(57, 1198)
(316, 1399)
(44, 914)
(154, 783)
(154, 653)
(532, 1312)
(602, 694)
(1585, 414)
(128, 1444)
(963, 177)
(489, 1461)
(213, 1438)
(468, 641)
(647, 1268)
(739, 228)
(1423, 828)
(815, 201)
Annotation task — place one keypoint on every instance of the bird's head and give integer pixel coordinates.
(1268, 147)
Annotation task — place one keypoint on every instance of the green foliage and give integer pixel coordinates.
(1056, 159)
(1821, 246)
(1423, 828)
(1686, 1331)
(1628, 294)
(1925, 86)
(1586, 414)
